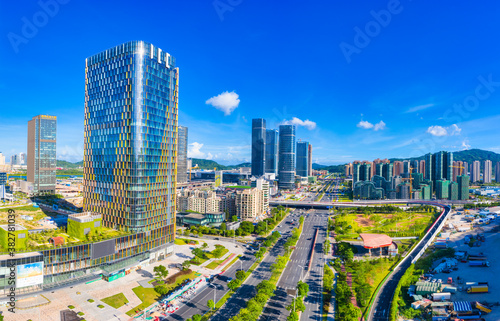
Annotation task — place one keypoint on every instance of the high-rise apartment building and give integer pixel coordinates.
(442, 189)
(258, 146)
(497, 172)
(458, 169)
(463, 187)
(348, 170)
(272, 151)
(475, 171)
(262, 185)
(302, 159)
(439, 166)
(14, 160)
(23, 160)
(130, 140)
(487, 172)
(249, 203)
(429, 167)
(466, 168)
(286, 159)
(2, 159)
(398, 168)
(182, 148)
(310, 160)
(406, 169)
(421, 167)
(42, 154)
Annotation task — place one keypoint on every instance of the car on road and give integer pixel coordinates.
(217, 238)
(224, 278)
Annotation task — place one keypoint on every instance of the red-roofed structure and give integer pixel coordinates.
(56, 240)
(375, 241)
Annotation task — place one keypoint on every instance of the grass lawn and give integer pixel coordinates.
(180, 241)
(116, 300)
(212, 265)
(148, 296)
(198, 261)
(210, 255)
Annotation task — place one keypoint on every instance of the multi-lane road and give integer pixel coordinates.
(262, 272)
(382, 303)
(297, 269)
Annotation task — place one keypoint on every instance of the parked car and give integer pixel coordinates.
(225, 278)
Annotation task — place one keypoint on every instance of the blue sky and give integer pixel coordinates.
(362, 80)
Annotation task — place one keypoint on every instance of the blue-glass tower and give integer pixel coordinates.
(272, 151)
(286, 161)
(302, 159)
(258, 146)
(130, 141)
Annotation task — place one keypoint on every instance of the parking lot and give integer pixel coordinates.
(490, 248)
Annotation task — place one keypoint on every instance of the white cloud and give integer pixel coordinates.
(367, 125)
(226, 102)
(379, 126)
(440, 131)
(298, 122)
(194, 150)
(465, 144)
(418, 108)
(364, 124)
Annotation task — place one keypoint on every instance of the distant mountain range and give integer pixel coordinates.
(210, 164)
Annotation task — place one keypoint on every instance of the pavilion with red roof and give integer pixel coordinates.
(375, 241)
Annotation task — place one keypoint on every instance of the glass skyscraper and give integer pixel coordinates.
(130, 140)
(302, 159)
(272, 151)
(182, 148)
(286, 160)
(42, 154)
(258, 146)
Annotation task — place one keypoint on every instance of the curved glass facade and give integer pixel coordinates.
(130, 143)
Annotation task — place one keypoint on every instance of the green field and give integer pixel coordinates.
(148, 296)
(400, 223)
(180, 241)
(116, 300)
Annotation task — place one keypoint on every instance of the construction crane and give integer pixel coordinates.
(461, 168)
(195, 167)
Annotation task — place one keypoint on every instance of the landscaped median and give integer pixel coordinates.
(266, 288)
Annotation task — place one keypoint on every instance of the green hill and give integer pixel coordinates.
(68, 165)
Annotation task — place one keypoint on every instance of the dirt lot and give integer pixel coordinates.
(478, 274)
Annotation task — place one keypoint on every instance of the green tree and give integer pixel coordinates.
(186, 264)
(234, 284)
(240, 275)
(223, 227)
(211, 304)
(302, 288)
(160, 271)
(293, 317)
(161, 289)
(200, 234)
(234, 218)
(204, 246)
(196, 317)
(266, 287)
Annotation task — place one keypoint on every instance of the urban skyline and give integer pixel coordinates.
(393, 118)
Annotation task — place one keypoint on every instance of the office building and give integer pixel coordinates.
(487, 172)
(475, 171)
(258, 146)
(272, 151)
(302, 159)
(463, 187)
(286, 159)
(309, 160)
(23, 159)
(182, 160)
(497, 172)
(130, 148)
(14, 160)
(42, 154)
